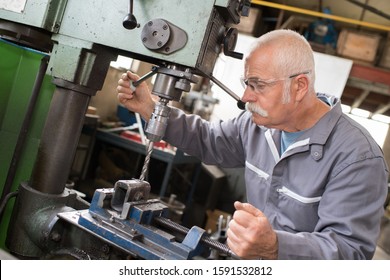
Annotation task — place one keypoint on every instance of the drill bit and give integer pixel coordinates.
(147, 160)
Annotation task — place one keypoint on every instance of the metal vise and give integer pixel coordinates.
(123, 216)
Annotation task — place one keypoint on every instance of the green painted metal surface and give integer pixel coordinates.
(38, 13)
(70, 18)
(18, 69)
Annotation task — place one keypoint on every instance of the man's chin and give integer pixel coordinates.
(259, 119)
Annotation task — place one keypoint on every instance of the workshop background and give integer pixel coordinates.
(110, 146)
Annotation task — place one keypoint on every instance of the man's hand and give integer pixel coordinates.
(138, 100)
(250, 235)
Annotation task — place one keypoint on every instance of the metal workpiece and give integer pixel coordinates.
(129, 191)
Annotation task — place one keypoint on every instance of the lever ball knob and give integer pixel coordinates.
(130, 22)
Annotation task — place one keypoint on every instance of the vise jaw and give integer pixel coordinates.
(124, 217)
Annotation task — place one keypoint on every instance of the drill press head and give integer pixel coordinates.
(166, 40)
(169, 85)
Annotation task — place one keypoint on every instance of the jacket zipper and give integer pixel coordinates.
(298, 197)
(258, 171)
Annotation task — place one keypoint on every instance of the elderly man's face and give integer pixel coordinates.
(266, 92)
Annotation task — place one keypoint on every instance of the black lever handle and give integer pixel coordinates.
(240, 103)
(146, 76)
(129, 21)
(229, 43)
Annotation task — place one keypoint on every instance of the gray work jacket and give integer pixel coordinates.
(323, 196)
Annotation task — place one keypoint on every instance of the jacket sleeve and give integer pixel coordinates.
(349, 216)
(216, 143)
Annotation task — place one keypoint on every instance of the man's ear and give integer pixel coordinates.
(301, 87)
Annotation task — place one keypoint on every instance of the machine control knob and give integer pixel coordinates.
(129, 21)
(229, 43)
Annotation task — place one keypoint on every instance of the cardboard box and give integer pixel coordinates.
(358, 45)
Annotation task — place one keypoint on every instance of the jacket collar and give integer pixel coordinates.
(319, 133)
(315, 137)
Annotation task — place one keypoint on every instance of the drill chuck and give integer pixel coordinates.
(158, 122)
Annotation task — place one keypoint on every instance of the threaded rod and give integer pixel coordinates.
(205, 238)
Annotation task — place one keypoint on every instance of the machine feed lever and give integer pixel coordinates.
(240, 104)
(129, 21)
(144, 77)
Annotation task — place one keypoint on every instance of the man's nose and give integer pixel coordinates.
(249, 96)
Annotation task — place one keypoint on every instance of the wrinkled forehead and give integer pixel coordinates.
(262, 62)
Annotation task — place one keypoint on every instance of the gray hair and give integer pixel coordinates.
(292, 53)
